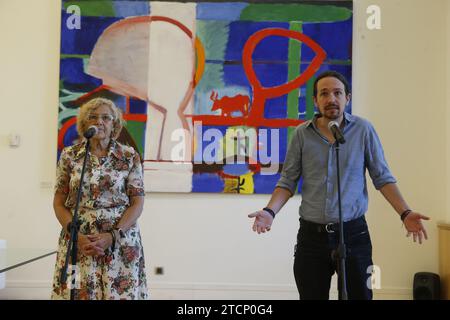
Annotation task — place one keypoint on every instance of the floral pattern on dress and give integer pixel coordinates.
(107, 188)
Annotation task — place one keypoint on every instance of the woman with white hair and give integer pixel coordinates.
(110, 253)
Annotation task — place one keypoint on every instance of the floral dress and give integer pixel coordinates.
(108, 185)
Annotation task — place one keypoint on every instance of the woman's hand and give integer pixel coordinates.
(99, 243)
(90, 245)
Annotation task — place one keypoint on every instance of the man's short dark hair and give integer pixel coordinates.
(333, 74)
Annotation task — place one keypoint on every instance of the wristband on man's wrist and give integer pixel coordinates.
(405, 214)
(270, 211)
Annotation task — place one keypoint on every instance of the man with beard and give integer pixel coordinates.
(311, 155)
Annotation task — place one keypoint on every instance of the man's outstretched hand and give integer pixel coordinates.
(414, 226)
(263, 221)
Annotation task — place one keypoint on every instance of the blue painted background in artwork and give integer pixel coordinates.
(131, 8)
(220, 11)
(138, 106)
(271, 48)
(234, 75)
(334, 37)
(236, 169)
(207, 182)
(276, 108)
(265, 183)
(83, 40)
(271, 74)
(72, 73)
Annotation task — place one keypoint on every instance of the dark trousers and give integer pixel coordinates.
(315, 262)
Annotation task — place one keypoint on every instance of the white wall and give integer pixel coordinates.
(29, 91)
(203, 241)
(399, 84)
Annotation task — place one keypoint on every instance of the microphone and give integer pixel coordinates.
(337, 133)
(90, 132)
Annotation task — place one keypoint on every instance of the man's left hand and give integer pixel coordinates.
(414, 226)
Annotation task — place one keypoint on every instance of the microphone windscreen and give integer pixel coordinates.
(332, 123)
(90, 132)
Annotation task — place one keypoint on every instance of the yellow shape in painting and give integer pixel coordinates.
(241, 184)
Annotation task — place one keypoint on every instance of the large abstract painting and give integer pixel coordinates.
(210, 91)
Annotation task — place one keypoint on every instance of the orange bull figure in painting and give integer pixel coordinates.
(230, 104)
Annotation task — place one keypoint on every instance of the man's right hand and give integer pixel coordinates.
(263, 221)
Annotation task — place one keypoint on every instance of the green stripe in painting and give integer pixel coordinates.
(309, 98)
(339, 62)
(80, 56)
(96, 8)
(295, 12)
(136, 130)
(294, 56)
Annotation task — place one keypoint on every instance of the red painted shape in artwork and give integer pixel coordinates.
(262, 93)
(63, 130)
(255, 117)
(211, 120)
(146, 19)
(139, 117)
(230, 104)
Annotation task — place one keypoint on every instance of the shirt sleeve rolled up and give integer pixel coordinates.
(292, 167)
(375, 161)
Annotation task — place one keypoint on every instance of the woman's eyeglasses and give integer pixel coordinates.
(104, 117)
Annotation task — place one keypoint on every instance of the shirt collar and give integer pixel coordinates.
(347, 119)
(79, 150)
(115, 149)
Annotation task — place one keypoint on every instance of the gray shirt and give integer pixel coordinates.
(311, 157)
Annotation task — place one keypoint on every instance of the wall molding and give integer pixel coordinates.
(41, 290)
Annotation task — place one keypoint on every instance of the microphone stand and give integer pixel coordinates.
(72, 247)
(341, 251)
